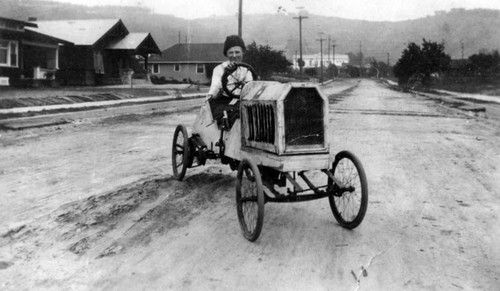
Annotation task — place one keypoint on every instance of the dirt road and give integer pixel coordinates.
(92, 206)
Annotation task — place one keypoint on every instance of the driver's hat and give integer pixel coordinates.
(233, 40)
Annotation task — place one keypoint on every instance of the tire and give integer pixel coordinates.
(349, 206)
(249, 200)
(180, 152)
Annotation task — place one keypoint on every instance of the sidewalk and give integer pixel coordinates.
(19, 118)
(486, 98)
(457, 100)
(91, 110)
(85, 105)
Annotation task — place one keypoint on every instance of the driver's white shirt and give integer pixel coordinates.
(241, 74)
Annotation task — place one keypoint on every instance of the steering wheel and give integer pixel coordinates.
(231, 85)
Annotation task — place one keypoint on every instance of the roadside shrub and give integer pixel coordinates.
(420, 63)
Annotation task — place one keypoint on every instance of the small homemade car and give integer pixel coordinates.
(273, 134)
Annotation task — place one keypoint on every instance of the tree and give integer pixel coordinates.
(355, 59)
(353, 71)
(485, 64)
(266, 60)
(379, 69)
(420, 63)
(311, 72)
(332, 71)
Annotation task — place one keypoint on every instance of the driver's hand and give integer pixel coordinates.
(210, 96)
(231, 66)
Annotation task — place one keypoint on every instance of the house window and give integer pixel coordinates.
(13, 54)
(8, 53)
(200, 68)
(98, 63)
(156, 68)
(177, 67)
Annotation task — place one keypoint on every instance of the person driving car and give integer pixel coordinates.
(220, 103)
(234, 49)
(220, 111)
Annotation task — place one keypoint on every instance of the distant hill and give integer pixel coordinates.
(477, 29)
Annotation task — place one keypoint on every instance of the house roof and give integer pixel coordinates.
(192, 53)
(31, 35)
(34, 36)
(143, 43)
(79, 32)
(15, 21)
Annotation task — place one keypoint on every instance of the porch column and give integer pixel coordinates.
(57, 59)
(146, 67)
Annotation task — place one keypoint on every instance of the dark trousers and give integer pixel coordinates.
(221, 104)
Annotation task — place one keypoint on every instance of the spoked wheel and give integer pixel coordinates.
(250, 200)
(350, 202)
(180, 152)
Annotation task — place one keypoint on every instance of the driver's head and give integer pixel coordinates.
(234, 47)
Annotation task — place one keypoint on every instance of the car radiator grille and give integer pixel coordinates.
(304, 118)
(260, 123)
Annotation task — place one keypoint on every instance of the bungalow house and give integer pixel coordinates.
(102, 53)
(188, 62)
(26, 57)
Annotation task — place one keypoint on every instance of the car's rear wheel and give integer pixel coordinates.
(180, 152)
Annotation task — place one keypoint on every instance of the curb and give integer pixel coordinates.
(469, 107)
(52, 115)
(454, 102)
(85, 105)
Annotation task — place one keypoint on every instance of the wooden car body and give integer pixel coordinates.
(281, 126)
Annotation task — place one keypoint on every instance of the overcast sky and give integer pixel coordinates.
(378, 10)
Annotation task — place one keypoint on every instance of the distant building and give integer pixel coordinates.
(186, 62)
(102, 53)
(314, 60)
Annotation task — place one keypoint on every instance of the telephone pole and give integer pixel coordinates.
(462, 50)
(321, 39)
(300, 61)
(329, 44)
(333, 52)
(240, 18)
(360, 60)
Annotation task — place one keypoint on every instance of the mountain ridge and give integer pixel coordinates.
(462, 31)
